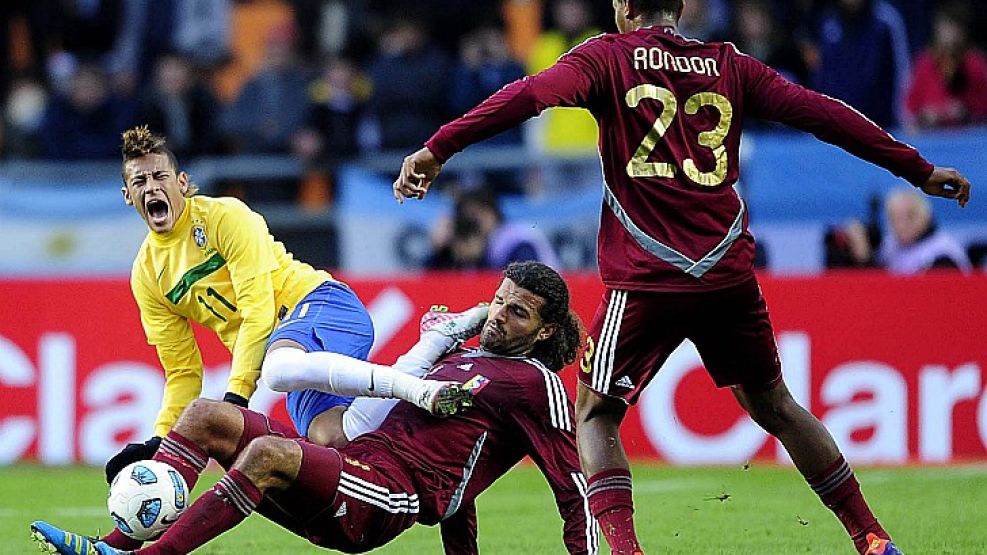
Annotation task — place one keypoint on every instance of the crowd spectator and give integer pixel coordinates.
(476, 237)
(85, 29)
(22, 117)
(914, 243)
(484, 66)
(272, 106)
(705, 20)
(35, 17)
(337, 102)
(182, 108)
(196, 29)
(917, 15)
(758, 34)
(410, 78)
(949, 85)
(85, 124)
(863, 57)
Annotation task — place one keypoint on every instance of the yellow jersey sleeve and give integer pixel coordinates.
(177, 350)
(243, 239)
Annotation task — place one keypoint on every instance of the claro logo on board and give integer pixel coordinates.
(115, 402)
(853, 396)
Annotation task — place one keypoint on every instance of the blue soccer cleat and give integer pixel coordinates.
(52, 540)
(879, 546)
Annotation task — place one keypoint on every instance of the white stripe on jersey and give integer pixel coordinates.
(376, 495)
(558, 401)
(457, 496)
(592, 527)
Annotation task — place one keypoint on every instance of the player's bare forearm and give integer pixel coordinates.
(948, 183)
(418, 171)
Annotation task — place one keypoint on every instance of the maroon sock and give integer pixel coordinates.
(221, 508)
(187, 458)
(612, 505)
(839, 490)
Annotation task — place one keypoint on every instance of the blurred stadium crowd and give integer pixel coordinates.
(325, 81)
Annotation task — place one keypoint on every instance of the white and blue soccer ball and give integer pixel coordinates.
(146, 497)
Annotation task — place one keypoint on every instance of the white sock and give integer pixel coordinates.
(289, 369)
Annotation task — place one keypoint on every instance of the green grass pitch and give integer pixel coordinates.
(679, 511)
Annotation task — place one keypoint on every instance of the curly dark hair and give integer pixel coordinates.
(140, 141)
(562, 347)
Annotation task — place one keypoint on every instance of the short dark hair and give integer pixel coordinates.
(562, 347)
(673, 7)
(140, 141)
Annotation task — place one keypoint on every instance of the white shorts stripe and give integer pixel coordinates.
(622, 300)
(376, 495)
(604, 357)
(601, 343)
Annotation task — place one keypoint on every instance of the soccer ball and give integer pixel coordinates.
(146, 497)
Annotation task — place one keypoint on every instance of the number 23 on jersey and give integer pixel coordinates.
(639, 166)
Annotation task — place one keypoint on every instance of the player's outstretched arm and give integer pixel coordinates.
(418, 171)
(948, 183)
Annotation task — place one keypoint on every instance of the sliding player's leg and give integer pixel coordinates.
(441, 332)
(323, 345)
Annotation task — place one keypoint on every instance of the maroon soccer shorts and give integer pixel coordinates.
(634, 332)
(352, 500)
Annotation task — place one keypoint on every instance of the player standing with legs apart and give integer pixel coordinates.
(414, 468)
(213, 261)
(675, 252)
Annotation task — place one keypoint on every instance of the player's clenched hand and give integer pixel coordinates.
(417, 173)
(948, 183)
(132, 453)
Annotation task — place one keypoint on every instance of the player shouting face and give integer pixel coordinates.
(156, 188)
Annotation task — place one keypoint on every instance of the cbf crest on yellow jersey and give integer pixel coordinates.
(219, 266)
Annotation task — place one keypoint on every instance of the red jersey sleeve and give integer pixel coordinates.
(770, 96)
(545, 417)
(570, 82)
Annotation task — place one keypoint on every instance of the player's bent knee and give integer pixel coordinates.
(270, 461)
(214, 425)
(280, 369)
(196, 415)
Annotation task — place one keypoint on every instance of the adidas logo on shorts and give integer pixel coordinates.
(624, 381)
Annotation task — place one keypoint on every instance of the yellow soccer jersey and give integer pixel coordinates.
(219, 266)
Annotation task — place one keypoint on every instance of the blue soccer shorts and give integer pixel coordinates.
(329, 319)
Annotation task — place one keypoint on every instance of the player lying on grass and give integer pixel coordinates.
(414, 468)
(213, 261)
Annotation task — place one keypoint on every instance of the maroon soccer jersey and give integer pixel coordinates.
(520, 409)
(670, 111)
